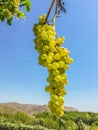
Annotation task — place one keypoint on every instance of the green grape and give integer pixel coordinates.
(39, 45)
(48, 88)
(53, 49)
(63, 39)
(54, 97)
(51, 54)
(61, 99)
(50, 79)
(7, 14)
(45, 48)
(10, 9)
(64, 52)
(56, 104)
(69, 60)
(66, 66)
(58, 78)
(61, 70)
(57, 56)
(56, 59)
(45, 37)
(49, 59)
(42, 18)
(41, 61)
(63, 76)
(60, 91)
(44, 56)
(50, 33)
(64, 81)
(52, 43)
(56, 72)
(13, 6)
(61, 64)
(49, 66)
(59, 113)
(59, 41)
(55, 65)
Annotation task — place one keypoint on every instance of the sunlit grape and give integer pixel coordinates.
(55, 65)
(45, 48)
(58, 78)
(54, 97)
(49, 59)
(56, 72)
(51, 54)
(52, 43)
(57, 56)
(61, 64)
(69, 60)
(44, 56)
(61, 99)
(49, 66)
(48, 88)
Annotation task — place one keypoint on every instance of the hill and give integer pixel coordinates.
(13, 107)
(7, 109)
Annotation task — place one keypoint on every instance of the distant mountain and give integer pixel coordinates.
(13, 107)
(7, 109)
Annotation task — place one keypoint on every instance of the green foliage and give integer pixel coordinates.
(70, 125)
(81, 125)
(94, 127)
(95, 123)
(10, 126)
(87, 117)
(23, 118)
(46, 121)
(44, 115)
(93, 118)
(11, 8)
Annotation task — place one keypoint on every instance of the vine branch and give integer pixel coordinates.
(59, 7)
(50, 10)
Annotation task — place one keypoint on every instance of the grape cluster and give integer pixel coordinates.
(10, 8)
(13, 6)
(56, 58)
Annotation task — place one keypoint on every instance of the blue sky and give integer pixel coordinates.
(23, 80)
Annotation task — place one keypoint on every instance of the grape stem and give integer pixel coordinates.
(55, 14)
(53, 1)
(54, 17)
